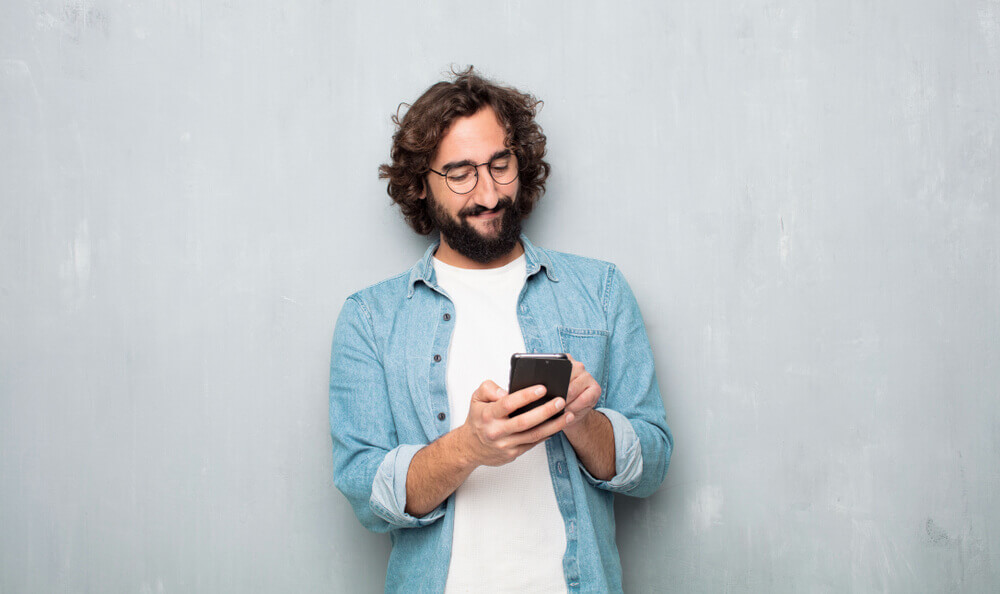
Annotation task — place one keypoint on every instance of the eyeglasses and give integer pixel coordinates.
(462, 179)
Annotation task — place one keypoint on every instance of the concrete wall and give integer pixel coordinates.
(802, 194)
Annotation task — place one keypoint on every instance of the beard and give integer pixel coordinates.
(462, 237)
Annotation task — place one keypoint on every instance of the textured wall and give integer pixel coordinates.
(803, 196)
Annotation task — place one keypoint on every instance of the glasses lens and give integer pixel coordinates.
(504, 169)
(462, 179)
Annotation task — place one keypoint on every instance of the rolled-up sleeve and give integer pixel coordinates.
(643, 441)
(388, 499)
(628, 455)
(369, 463)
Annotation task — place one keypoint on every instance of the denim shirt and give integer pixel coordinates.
(388, 400)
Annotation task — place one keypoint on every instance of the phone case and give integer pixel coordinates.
(551, 370)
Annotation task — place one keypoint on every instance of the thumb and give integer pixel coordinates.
(488, 391)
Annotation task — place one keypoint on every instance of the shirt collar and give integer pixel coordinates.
(534, 258)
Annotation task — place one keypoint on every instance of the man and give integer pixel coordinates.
(424, 445)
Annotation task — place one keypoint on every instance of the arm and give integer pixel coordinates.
(590, 433)
(368, 460)
(594, 443)
(625, 447)
(488, 437)
(435, 472)
(633, 403)
(392, 485)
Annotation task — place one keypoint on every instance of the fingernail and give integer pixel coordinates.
(560, 403)
(540, 390)
(501, 392)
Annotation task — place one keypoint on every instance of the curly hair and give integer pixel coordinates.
(425, 123)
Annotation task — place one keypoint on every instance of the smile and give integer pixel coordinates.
(486, 215)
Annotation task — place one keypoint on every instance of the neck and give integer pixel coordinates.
(450, 257)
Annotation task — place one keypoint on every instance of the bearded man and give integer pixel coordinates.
(424, 443)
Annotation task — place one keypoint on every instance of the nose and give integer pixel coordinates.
(485, 193)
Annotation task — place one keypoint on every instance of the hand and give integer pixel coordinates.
(495, 439)
(582, 396)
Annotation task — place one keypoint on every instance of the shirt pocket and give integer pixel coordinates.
(588, 347)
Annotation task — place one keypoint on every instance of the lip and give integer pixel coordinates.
(486, 216)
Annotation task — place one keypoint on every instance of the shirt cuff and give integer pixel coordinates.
(388, 500)
(628, 454)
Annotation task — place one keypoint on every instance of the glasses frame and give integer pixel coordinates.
(489, 169)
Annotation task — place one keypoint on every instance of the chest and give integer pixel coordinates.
(422, 342)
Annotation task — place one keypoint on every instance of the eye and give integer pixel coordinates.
(500, 164)
(460, 175)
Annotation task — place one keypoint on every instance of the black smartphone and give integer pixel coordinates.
(551, 370)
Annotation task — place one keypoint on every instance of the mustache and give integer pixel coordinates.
(479, 209)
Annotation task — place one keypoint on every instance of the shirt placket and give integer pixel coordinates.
(554, 448)
(443, 312)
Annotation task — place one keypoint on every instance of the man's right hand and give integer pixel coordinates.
(488, 437)
(494, 438)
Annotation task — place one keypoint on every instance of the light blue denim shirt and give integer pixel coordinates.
(388, 400)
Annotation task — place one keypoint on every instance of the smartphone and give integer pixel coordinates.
(551, 370)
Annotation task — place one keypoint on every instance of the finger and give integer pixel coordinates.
(577, 385)
(577, 365)
(516, 400)
(488, 416)
(543, 431)
(585, 400)
(486, 392)
(535, 416)
(496, 394)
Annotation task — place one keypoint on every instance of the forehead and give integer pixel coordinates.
(476, 138)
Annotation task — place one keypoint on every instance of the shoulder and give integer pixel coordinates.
(583, 273)
(577, 262)
(386, 293)
(376, 303)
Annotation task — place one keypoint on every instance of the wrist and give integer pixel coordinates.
(465, 447)
(582, 426)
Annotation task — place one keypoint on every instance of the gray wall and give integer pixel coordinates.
(803, 196)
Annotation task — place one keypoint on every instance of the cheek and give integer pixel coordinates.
(513, 190)
(447, 201)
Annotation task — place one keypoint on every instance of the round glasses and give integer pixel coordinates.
(463, 178)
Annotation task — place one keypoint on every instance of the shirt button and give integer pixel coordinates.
(437, 358)
(447, 317)
(558, 467)
(441, 416)
(524, 308)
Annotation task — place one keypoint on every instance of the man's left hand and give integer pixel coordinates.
(582, 396)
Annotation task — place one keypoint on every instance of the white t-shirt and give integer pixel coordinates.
(509, 534)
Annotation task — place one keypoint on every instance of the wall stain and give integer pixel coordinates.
(936, 535)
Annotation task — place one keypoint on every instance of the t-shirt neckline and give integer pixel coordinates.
(515, 263)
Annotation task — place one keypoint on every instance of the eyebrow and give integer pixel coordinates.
(500, 153)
